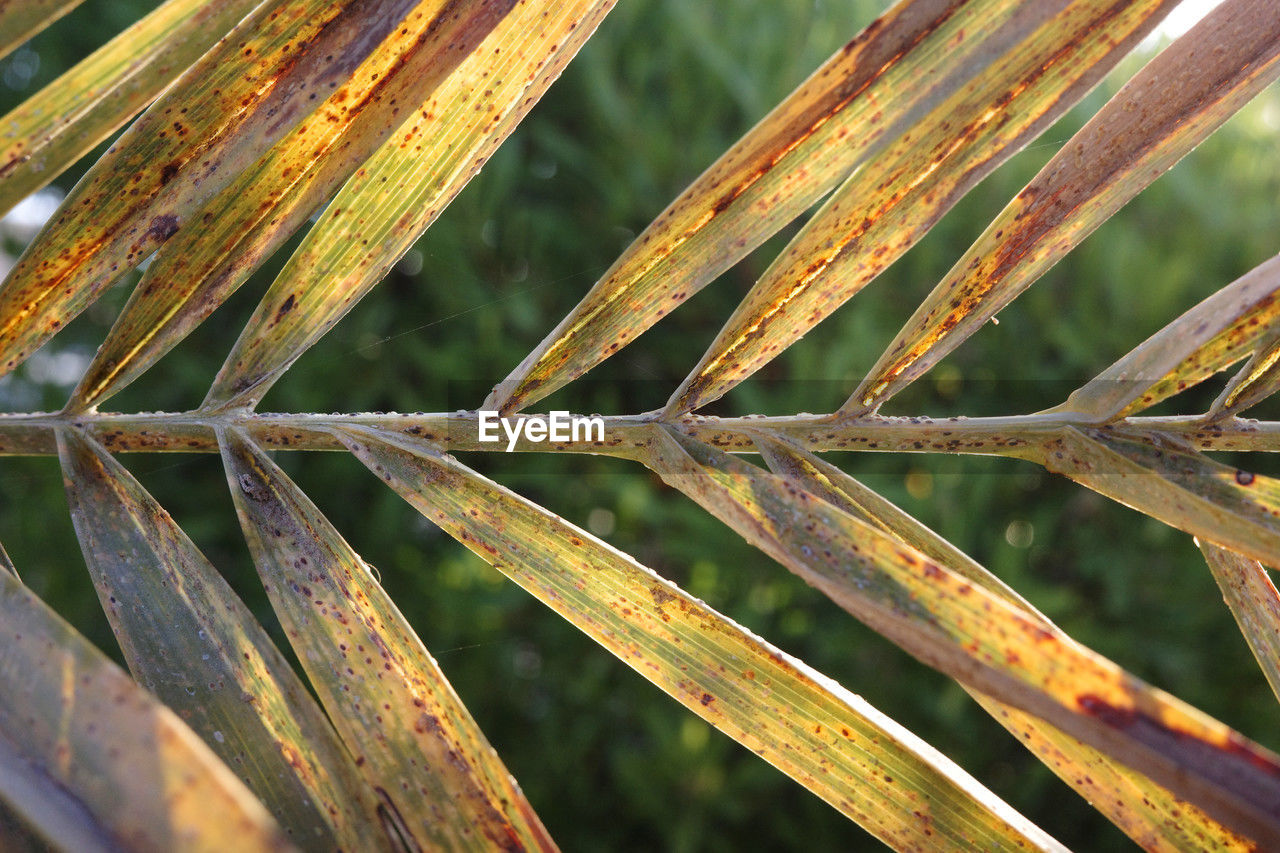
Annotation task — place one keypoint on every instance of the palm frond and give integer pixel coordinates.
(371, 117)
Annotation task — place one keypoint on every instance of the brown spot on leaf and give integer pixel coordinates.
(285, 308)
(163, 227)
(660, 596)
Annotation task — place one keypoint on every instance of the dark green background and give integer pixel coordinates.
(608, 761)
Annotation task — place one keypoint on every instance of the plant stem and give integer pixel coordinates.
(1018, 436)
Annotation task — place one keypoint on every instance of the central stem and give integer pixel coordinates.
(1015, 436)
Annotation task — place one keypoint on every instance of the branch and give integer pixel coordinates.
(1021, 436)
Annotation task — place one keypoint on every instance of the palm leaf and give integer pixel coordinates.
(1148, 813)
(65, 120)
(1166, 110)
(199, 269)
(846, 752)
(372, 117)
(978, 638)
(188, 639)
(267, 74)
(928, 54)
(402, 189)
(887, 205)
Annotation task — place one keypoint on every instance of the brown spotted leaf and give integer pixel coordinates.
(416, 743)
(1167, 109)
(1249, 592)
(1213, 335)
(1055, 53)
(829, 740)
(21, 19)
(1255, 382)
(200, 267)
(214, 121)
(53, 128)
(866, 97)
(401, 190)
(189, 639)
(145, 778)
(393, 197)
(1146, 812)
(1180, 486)
(982, 639)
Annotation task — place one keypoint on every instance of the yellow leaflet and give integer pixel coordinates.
(400, 191)
(203, 265)
(145, 778)
(1168, 108)
(1176, 484)
(65, 120)
(1255, 382)
(829, 740)
(1146, 812)
(981, 639)
(1254, 602)
(893, 200)
(416, 743)
(242, 96)
(867, 95)
(1214, 334)
(21, 19)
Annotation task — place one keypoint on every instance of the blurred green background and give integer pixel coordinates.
(608, 761)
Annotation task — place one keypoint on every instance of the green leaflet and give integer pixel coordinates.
(188, 638)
